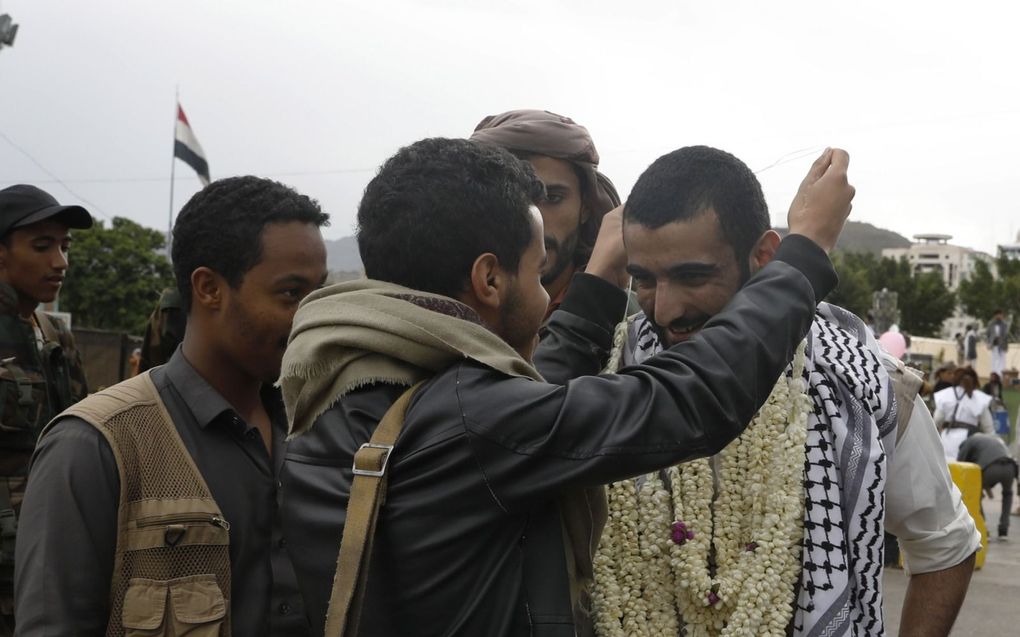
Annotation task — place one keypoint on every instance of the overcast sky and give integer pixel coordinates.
(924, 95)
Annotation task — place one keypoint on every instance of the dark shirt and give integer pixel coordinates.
(993, 389)
(983, 450)
(940, 385)
(68, 527)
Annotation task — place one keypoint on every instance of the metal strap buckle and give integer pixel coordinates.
(372, 472)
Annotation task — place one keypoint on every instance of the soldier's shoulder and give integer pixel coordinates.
(58, 324)
(170, 299)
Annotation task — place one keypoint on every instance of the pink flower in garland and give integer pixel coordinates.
(713, 598)
(681, 533)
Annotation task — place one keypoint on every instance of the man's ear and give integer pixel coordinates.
(487, 284)
(585, 214)
(764, 249)
(486, 291)
(207, 289)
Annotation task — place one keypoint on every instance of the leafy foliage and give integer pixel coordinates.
(924, 300)
(982, 294)
(115, 276)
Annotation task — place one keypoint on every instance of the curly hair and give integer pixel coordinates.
(684, 183)
(221, 227)
(437, 205)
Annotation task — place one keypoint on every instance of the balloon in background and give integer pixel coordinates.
(894, 343)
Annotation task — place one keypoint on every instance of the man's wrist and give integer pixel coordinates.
(595, 299)
(811, 260)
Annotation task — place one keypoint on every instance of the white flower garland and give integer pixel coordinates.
(654, 562)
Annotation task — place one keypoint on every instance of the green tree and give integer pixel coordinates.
(115, 276)
(979, 293)
(924, 301)
(854, 291)
(982, 294)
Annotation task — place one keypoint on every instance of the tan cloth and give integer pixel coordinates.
(171, 571)
(362, 332)
(552, 135)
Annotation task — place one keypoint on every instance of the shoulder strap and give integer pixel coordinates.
(368, 491)
(906, 384)
(49, 329)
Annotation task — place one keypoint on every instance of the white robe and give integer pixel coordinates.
(953, 405)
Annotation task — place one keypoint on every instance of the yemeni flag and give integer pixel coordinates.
(187, 148)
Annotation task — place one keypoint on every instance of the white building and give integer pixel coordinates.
(1011, 250)
(934, 253)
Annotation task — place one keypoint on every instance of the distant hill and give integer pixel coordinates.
(858, 236)
(342, 254)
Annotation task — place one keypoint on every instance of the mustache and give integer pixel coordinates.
(681, 325)
(686, 324)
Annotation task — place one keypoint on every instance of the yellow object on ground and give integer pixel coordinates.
(967, 477)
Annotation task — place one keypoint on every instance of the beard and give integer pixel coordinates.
(564, 255)
(520, 325)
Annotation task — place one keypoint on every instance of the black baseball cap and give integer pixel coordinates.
(24, 205)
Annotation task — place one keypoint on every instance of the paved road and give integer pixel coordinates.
(992, 607)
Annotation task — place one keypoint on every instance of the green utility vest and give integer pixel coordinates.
(36, 384)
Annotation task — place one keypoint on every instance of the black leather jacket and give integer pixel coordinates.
(469, 540)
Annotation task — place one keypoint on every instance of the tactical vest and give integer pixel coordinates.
(171, 571)
(35, 385)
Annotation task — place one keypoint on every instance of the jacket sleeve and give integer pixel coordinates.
(533, 439)
(578, 338)
(67, 534)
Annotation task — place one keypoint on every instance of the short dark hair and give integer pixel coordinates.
(684, 183)
(437, 205)
(221, 227)
(968, 372)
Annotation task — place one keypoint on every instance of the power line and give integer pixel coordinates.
(54, 178)
(117, 180)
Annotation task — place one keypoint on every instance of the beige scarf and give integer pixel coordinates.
(364, 332)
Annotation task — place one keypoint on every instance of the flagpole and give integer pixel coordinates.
(173, 166)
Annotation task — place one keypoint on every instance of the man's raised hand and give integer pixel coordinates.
(609, 258)
(822, 203)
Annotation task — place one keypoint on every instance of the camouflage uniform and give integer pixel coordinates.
(164, 331)
(37, 382)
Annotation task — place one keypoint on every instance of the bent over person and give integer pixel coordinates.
(40, 372)
(782, 532)
(152, 506)
(475, 536)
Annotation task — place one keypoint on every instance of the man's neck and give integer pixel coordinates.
(27, 308)
(237, 388)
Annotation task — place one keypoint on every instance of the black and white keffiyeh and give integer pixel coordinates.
(846, 455)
